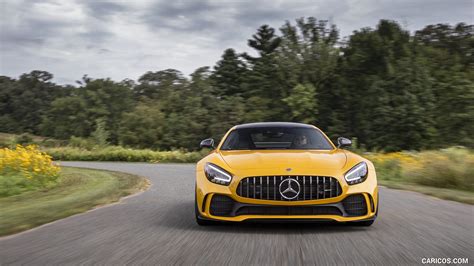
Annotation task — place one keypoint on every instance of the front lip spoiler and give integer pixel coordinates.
(273, 220)
(287, 220)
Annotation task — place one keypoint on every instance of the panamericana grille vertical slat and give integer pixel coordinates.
(248, 187)
(267, 187)
(330, 188)
(240, 189)
(304, 188)
(324, 187)
(317, 187)
(253, 188)
(297, 197)
(278, 193)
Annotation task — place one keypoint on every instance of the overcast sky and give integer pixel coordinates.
(124, 39)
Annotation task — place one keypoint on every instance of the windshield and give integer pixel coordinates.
(292, 138)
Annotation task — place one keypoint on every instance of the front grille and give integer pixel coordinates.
(289, 210)
(267, 187)
(221, 205)
(355, 205)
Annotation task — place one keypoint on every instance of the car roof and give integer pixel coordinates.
(273, 124)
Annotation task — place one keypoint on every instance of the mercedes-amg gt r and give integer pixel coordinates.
(284, 171)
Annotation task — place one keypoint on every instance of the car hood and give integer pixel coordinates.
(266, 159)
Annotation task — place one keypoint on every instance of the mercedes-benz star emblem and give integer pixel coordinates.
(289, 188)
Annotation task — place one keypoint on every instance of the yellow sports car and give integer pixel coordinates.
(284, 171)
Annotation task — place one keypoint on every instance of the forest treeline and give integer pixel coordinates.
(387, 87)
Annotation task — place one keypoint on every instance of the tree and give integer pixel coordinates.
(308, 55)
(67, 117)
(78, 113)
(448, 51)
(403, 106)
(264, 89)
(456, 40)
(108, 100)
(228, 74)
(303, 103)
(454, 112)
(143, 127)
(391, 89)
(368, 59)
(25, 101)
(155, 85)
(264, 41)
(227, 112)
(187, 125)
(100, 135)
(7, 91)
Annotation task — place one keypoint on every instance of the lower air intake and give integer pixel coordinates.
(221, 205)
(355, 205)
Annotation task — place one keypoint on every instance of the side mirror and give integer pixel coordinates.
(343, 142)
(207, 143)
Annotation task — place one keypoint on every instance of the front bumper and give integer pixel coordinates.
(242, 208)
(356, 207)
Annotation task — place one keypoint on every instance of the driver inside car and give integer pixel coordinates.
(300, 141)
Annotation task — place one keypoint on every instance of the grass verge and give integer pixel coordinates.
(442, 193)
(78, 190)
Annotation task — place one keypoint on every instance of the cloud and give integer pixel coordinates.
(185, 16)
(124, 39)
(103, 9)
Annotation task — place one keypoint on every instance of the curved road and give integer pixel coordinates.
(157, 227)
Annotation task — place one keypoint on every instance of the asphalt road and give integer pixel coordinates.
(157, 227)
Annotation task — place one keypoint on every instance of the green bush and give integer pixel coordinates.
(82, 143)
(23, 139)
(100, 134)
(117, 153)
(14, 183)
(49, 143)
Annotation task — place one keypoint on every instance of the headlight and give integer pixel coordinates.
(357, 174)
(217, 175)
